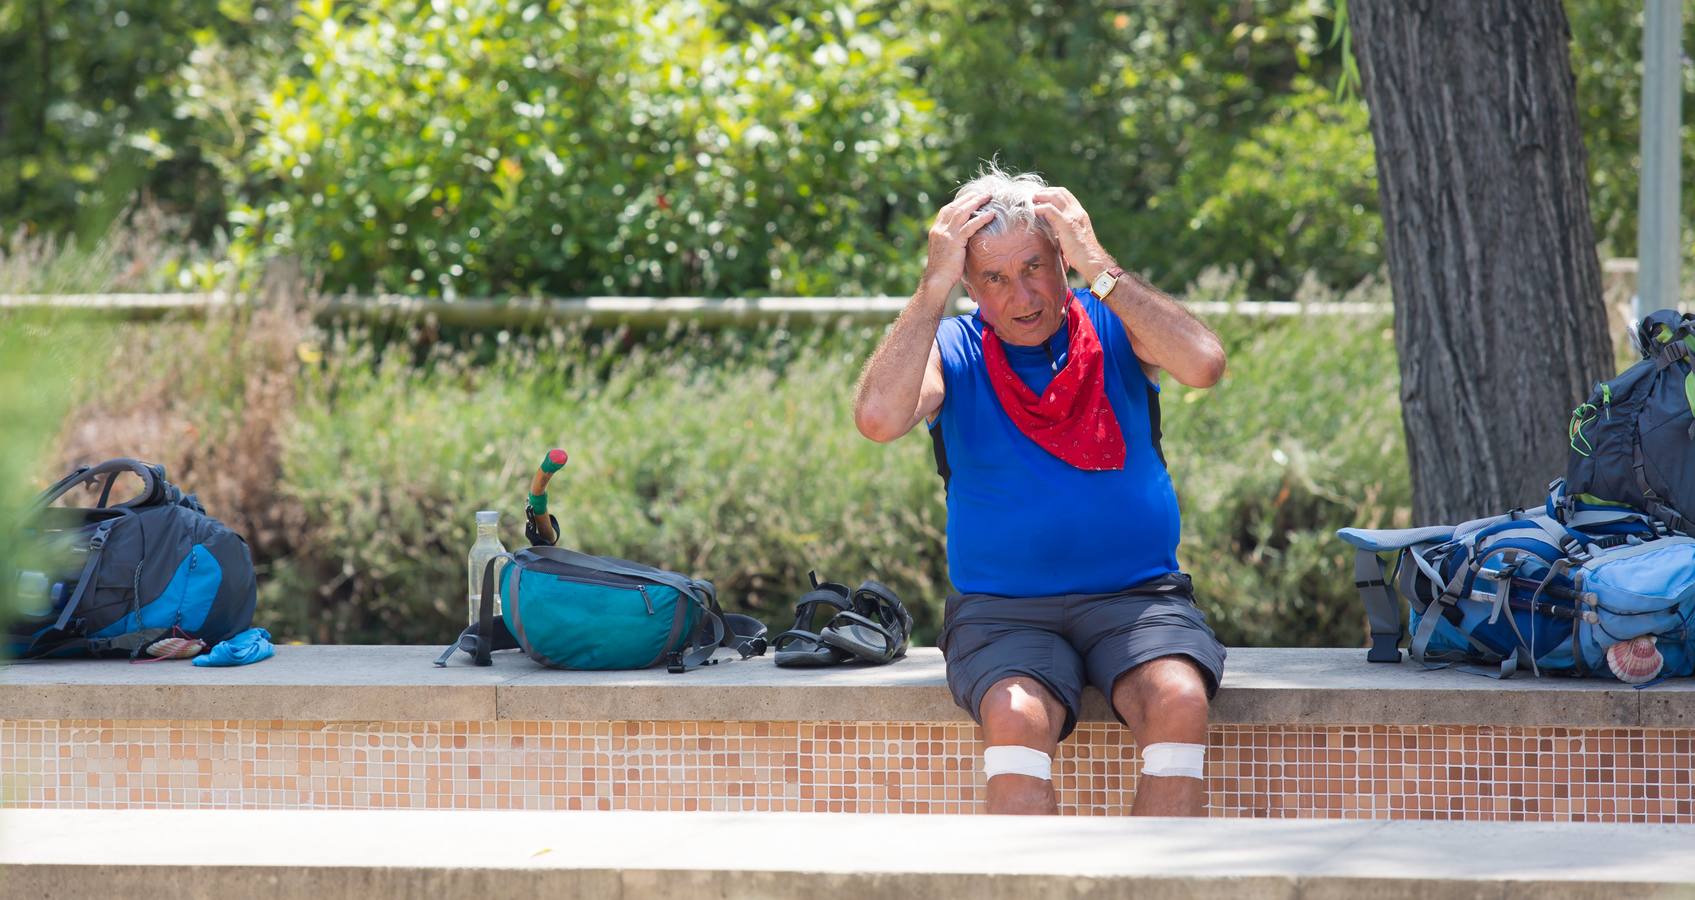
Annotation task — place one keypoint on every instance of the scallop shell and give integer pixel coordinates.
(175, 648)
(1635, 661)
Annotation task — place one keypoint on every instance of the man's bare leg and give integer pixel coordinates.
(1020, 712)
(1165, 700)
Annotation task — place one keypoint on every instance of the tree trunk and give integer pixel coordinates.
(1499, 319)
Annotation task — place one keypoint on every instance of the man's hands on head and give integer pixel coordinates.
(955, 225)
(902, 383)
(1162, 333)
(1070, 223)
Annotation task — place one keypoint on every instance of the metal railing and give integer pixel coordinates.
(636, 311)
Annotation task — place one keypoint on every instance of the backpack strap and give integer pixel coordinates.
(91, 562)
(716, 628)
(1382, 608)
(1657, 505)
(488, 633)
(156, 489)
(134, 642)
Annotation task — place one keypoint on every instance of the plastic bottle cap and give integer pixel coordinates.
(488, 517)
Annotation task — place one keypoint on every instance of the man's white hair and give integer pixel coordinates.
(1010, 200)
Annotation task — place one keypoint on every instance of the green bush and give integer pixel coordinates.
(38, 362)
(493, 146)
(729, 456)
(733, 456)
(1303, 436)
(107, 101)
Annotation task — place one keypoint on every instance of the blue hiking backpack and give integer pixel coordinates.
(127, 574)
(1552, 589)
(570, 610)
(1633, 440)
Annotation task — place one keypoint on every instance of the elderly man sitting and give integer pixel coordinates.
(1062, 521)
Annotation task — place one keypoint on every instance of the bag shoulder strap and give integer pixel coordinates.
(96, 549)
(156, 489)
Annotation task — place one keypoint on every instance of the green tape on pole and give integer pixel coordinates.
(553, 461)
(538, 504)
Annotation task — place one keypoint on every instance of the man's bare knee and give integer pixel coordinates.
(1020, 711)
(1163, 699)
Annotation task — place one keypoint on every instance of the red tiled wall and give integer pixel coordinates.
(1404, 772)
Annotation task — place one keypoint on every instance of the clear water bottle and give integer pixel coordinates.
(33, 594)
(487, 547)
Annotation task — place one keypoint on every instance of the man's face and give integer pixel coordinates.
(1018, 282)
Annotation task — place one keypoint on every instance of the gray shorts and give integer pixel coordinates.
(1072, 639)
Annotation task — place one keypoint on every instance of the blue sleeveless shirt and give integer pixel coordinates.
(1022, 523)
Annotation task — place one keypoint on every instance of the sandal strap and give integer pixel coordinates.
(835, 596)
(793, 635)
(892, 643)
(884, 606)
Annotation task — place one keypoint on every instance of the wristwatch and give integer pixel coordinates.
(1105, 282)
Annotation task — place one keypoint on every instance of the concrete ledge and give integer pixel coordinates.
(52, 853)
(361, 683)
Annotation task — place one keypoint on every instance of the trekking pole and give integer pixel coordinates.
(540, 527)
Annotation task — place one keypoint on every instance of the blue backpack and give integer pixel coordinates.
(1552, 589)
(569, 610)
(1633, 440)
(124, 575)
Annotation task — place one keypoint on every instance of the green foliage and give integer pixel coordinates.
(38, 357)
(1302, 437)
(1196, 134)
(504, 147)
(729, 456)
(733, 457)
(1293, 200)
(703, 146)
(1606, 57)
(93, 114)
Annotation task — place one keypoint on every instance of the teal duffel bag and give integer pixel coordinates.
(569, 610)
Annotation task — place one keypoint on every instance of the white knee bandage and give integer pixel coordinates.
(1016, 760)
(1174, 760)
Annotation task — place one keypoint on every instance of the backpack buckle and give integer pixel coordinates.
(674, 663)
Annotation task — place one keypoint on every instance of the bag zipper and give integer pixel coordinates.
(647, 600)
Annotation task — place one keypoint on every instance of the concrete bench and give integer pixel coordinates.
(1296, 733)
(314, 854)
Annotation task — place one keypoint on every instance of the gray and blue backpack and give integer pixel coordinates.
(1554, 590)
(120, 576)
(1601, 580)
(1633, 440)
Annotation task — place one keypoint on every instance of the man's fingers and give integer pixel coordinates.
(965, 204)
(975, 223)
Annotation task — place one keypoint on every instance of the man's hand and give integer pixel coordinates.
(1070, 223)
(955, 225)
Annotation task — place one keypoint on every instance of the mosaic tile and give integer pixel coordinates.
(1346, 772)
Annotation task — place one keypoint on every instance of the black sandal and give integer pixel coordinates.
(800, 646)
(877, 630)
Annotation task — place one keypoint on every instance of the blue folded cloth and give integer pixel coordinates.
(250, 646)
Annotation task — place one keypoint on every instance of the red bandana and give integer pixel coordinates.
(1073, 419)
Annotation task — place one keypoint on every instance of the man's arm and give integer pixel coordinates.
(1163, 333)
(902, 384)
(899, 388)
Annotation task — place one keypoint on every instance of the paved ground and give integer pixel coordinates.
(621, 854)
